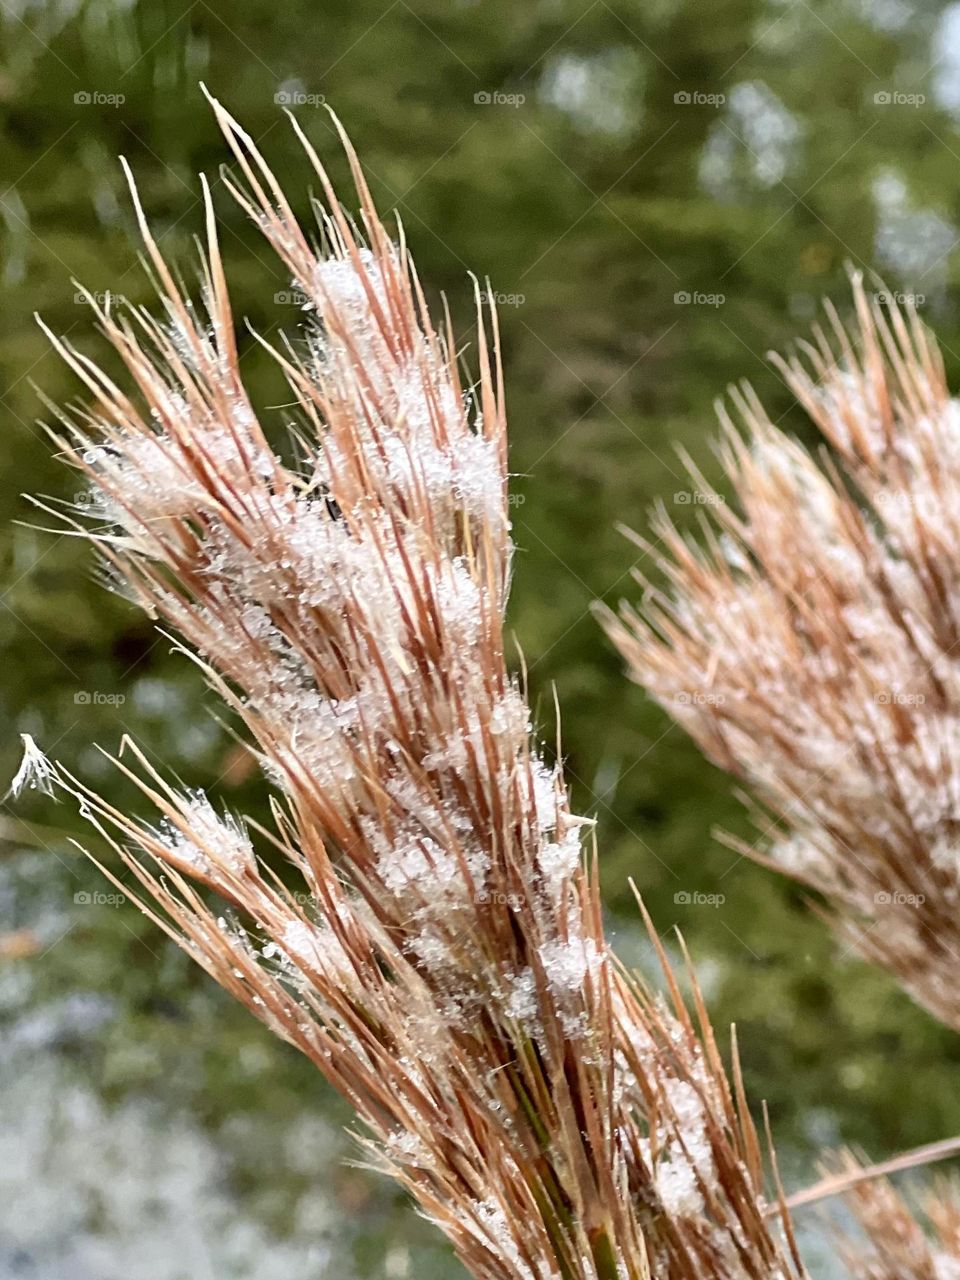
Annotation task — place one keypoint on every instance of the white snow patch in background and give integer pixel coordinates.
(945, 58)
(92, 1189)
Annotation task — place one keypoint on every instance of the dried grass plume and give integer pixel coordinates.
(809, 639)
(422, 919)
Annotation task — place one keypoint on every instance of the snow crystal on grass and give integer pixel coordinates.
(421, 863)
(558, 860)
(544, 794)
(493, 1226)
(207, 840)
(523, 1003)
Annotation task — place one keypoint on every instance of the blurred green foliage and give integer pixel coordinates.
(747, 152)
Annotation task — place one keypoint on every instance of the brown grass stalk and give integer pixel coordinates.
(809, 641)
(435, 943)
(889, 1240)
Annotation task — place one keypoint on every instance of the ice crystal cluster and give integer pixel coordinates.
(422, 920)
(811, 645)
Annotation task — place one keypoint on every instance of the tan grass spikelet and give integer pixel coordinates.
(442, 960)
(809, 640)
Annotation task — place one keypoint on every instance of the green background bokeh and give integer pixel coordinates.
(598, 163)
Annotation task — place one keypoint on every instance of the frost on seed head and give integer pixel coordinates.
(523, 1001)
(568, 963)
(346, 285)
(493, 1225)
(557, 861)
(36, 773)
(314, 946)
(206, 840)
